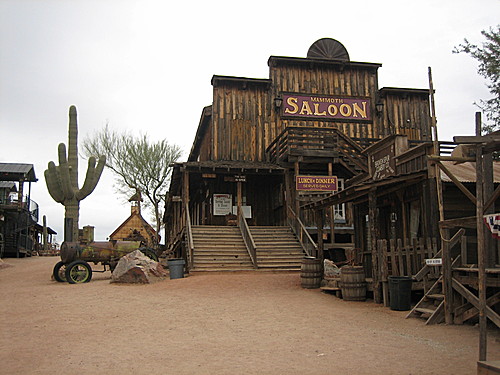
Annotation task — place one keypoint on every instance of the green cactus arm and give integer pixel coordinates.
(52, 181)
(92, 177)
(64, 173)
(73, 147)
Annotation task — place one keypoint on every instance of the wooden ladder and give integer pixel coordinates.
(431, 306)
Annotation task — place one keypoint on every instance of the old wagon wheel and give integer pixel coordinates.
(78, 272)
(150, 253)
(59, 272)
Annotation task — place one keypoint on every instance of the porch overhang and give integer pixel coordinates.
(358, 191)
(222, 167)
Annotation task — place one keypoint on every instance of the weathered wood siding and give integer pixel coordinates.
(206, 143)
(326, 78)
(407, 112)
(240, 120)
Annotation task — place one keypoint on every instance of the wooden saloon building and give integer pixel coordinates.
(317, 160)
(265, 148)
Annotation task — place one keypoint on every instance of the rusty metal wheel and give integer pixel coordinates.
(59, 272)
(78, 272)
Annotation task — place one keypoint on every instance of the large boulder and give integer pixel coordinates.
(137, 268)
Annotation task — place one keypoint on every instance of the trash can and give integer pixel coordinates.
(176, 268)
(400, 292)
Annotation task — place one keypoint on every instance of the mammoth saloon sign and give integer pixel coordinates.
(326, 107)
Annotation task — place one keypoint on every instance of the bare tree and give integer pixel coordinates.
(138, 164)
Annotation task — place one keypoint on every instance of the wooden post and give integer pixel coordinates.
(332, 210)
(447, 287)
(480, 244)
(239, 197)
(297, 202)
(372, 213)
(185, 193)
(320, 225)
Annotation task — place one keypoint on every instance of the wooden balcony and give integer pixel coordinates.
(316, 143)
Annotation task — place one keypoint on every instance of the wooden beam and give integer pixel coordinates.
(472, 312)
(463, 222)
(477, 139)
(462, 188)
(470, 297)
(450, 158)
(481, 259)
(493, 198)
(372, 213)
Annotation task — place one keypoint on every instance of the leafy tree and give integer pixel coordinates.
(488, 56)
(138, 165)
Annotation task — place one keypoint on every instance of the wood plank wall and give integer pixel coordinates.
(244, 121)
(240, 119)
(408, 114)
(329, 79)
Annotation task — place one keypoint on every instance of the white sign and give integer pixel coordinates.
(247, 211)
(223, 204)
(434, 262)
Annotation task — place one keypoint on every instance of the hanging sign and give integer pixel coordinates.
(326, 107)
(316, 183)
(223, 204)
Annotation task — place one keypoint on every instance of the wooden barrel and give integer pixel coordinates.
(311, 272)
(352, 283)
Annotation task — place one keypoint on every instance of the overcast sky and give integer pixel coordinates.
(145, 66)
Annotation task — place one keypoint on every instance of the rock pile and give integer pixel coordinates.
(137, 268)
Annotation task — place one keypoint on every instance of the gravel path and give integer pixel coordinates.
(224, 323)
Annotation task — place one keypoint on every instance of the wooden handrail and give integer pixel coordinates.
(189, 237)
(302, 233)
(247, 237)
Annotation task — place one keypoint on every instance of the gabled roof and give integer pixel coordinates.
(17, 172)
(146, 224)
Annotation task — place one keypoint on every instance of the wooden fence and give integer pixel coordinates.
(399, 259)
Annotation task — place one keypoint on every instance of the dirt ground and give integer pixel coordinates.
(224, 323)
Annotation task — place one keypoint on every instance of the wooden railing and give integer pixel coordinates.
(189, 237)
(312, 141)
(307, 243)
(247, 237)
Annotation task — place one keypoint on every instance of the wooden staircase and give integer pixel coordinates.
(277, 248)
(219, 248)
(431, 306)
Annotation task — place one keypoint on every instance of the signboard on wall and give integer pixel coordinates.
(223, 204)
(383, 163)
(326, 107)
(316, 183)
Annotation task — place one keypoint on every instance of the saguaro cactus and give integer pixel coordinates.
(62, 180)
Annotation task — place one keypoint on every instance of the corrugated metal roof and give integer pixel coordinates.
(466, 172)
(17, 172)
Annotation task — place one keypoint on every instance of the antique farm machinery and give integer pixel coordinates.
(74, 265)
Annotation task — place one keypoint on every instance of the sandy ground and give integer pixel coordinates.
(224, 323)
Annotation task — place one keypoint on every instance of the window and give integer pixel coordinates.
(339, 209)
